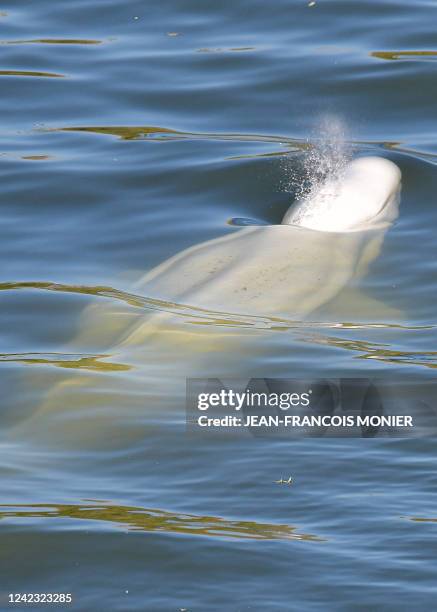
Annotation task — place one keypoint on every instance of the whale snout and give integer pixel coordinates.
(365, 196)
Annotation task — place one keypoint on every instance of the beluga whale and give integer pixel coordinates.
(290, 269)
(212, 298)
(326, 239)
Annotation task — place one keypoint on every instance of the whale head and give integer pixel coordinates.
(366, 196)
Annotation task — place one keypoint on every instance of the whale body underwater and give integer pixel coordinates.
(287, 271)
(292, 268)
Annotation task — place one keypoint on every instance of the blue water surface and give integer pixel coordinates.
(131, 131)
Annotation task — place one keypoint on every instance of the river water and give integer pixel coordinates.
(131, 131)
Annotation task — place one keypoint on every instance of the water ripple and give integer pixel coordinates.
(202, 316)
(31, 73)
(152, 520)
(65, 360)
(291, 144)
(405, 55)
(379, 352)
(53, 41)
(225, 50)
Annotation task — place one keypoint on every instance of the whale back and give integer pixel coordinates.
(275, 270)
